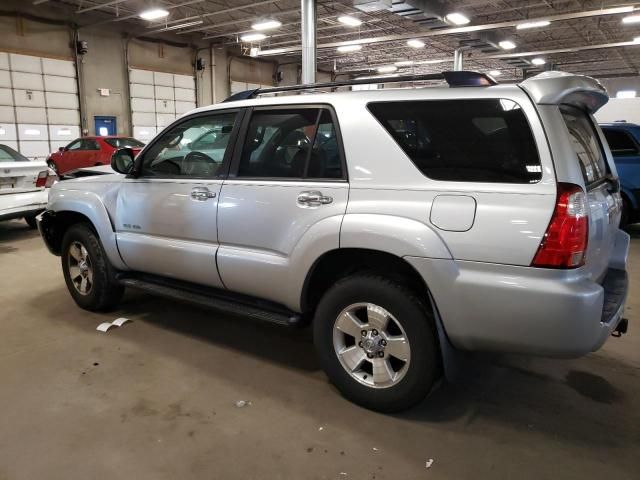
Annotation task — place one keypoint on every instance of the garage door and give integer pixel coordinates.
(238, 86)
(39, 107)
(157, 99)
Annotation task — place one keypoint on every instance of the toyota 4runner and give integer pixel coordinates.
(404, 224)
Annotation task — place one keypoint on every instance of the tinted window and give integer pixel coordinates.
(90, 144)
(75, 145)
(620, 142)
(585, 143)
(176, 154)
(464, 140)
(296, 143)
(8, 154)
(124, 142)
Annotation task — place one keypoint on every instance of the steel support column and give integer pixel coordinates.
(308, 13)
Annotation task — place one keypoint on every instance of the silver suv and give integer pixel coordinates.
(405, 224)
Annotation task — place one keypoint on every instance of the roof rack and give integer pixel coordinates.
(461, 78)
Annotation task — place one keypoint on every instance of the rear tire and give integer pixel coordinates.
(31, 221)
(368, 369)
(87, 272)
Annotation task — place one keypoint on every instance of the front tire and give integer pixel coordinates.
(87, 271)
(377, 343)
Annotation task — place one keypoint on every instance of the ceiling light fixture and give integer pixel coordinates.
(631, 19)
(537, 24)
(349, 48)
(349, 21)
(404, 63)
(457, 18)
(154, 14)
(415, 43)
(387, 69)
(266, 24)
(626, 94)
(538, 61)
(179, 26)
(495, 73)
(507, 45)
(253, 37)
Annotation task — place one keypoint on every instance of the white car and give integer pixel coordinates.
(23, 183)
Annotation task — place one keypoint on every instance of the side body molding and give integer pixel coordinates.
(91, 206)
(396, 235)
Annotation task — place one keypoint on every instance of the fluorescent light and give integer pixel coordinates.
(349, 48)
(495, 73)
(626, 94)
(253, 37)
(154, 14)
(636, 40)
(432, 62)
(32, 131)
(538, 24)
(404, 63)
(507, 45)
(350, 21)
(273, 51)
(387, 69)
(266, 24)
(457, 18)
(254, 51)
(415, 43)
(2, 131)
(181, 25)
(631, 19)
(538, 61)
(63, 131)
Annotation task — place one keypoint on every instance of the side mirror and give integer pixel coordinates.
(61, 149)
(122, 160)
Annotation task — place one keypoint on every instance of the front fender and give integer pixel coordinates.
(397, 235)
(91, 206)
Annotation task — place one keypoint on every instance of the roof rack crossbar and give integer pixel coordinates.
(453, 78)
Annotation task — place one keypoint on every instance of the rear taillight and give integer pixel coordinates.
(52, 177)
(564, 244)
(42, 179)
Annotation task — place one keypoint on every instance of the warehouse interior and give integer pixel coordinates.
(182, 391)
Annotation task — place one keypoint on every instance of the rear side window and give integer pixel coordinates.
(620, 142)
(585, 143)
(464, 140)
(124, 142)
(8, 154)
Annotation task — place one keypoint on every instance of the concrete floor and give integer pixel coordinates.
(156, 398)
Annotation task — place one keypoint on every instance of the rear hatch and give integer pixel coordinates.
(17, 173)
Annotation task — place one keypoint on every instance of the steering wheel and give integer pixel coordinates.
(199, 164)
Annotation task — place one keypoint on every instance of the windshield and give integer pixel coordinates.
(8, 154)
(124, 142)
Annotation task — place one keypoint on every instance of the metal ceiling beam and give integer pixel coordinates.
(457, 30)
(136, 15)
(101, 5)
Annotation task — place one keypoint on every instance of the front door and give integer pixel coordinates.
(166, 215)
(283, 202)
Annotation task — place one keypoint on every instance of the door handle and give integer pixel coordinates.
(202, 194)
(313, 198)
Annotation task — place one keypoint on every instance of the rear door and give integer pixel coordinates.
(17, 173)
(604, 202)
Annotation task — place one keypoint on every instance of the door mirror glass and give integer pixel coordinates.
(122, 160)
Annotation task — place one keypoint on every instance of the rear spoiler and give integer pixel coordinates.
(556, 88)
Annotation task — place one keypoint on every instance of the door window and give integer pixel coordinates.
(75, 145)
(90, 144)
(292, 143)
(195, 148)
(620, 142)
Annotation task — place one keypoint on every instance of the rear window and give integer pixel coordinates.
(8, 154)
(620, 142)
(464, 140)
(585, 143)
(124, 142)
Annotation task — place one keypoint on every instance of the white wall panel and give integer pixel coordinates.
(144, 134)
(4, 61)
(25, 63)
(165, 106)
(64, 116)
(141, 76)
(33, 132)
(54, 83)
(164, 93)
(28, 98)
(164, 119)
(62, 100)
(33, 149)
(64, 133)
(184, 81)
(164, 79)
(185, 95)
(7, 115)
(31, 115)
(184, 107)
(7, 132)
(5, 79)
(143, 118)
(143, 105)
(27, 81)
(141, 91)
(12, 144)
(61, 68)
(6, 97)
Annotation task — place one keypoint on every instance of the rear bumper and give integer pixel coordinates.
(559, 313)
(18, 205)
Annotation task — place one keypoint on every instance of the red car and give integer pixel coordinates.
(90, 151)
